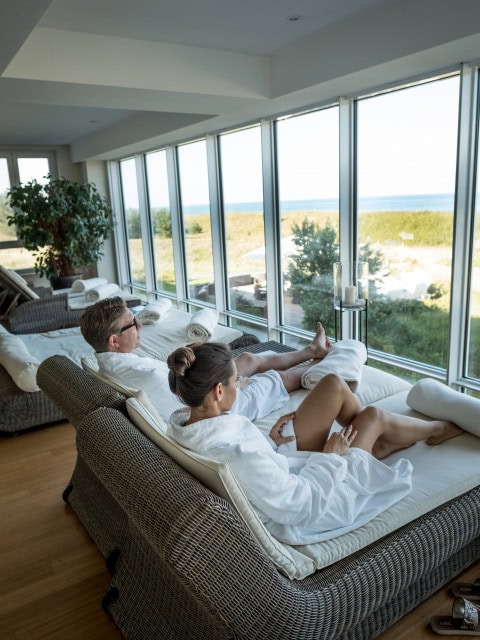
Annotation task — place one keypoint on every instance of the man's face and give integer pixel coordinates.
(127, 337)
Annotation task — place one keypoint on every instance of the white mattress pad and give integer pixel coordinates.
(157, 340)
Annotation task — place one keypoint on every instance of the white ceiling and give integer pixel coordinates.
(110, 76)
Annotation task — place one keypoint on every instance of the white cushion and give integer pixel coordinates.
(17, 283)
(218, 477)
(377, 384)
(19, 362)
(438, 401)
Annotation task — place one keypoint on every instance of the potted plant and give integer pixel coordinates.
(64, 223)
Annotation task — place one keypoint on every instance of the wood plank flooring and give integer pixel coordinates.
(52, 577)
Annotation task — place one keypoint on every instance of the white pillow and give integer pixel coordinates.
(376, 385)
(218, 477)
(19, 362)
(438, 401)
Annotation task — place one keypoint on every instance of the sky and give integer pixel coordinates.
(406, 145)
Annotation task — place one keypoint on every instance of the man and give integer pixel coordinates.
(264, 380)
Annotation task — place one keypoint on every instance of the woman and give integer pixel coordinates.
(320, 487)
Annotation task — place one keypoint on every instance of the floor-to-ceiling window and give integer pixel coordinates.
(406, 171)
(131, 207)
(308, 202)
(161, 220)
(242, 190)
(473, 344)
(195, 207)
(270, 194)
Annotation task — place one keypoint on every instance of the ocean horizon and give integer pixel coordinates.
(416, 202)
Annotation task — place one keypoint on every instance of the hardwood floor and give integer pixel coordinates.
(52, 577)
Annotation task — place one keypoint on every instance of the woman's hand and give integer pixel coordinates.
(340, 441)
(276, 431)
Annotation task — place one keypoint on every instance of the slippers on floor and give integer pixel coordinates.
(471, 591)
(464, 621)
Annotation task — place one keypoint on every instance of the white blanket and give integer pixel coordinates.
(102, 291)
(80, 286)
(155, 312)
(346, 359)
(202, 325)
(438, 401)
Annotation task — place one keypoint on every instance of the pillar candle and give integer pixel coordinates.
(350, 295)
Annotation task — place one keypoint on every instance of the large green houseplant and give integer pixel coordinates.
(64, 223)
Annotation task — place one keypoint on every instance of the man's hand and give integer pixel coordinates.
(276, 430)
(339, 442)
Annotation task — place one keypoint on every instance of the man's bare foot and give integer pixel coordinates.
(446, 430)
(320, 344)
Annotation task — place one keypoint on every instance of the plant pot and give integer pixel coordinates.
(64, 282)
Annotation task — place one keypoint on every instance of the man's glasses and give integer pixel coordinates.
(129, 326)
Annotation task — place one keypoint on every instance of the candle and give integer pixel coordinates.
(350, 295)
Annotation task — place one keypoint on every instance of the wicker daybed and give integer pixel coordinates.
(185, 564)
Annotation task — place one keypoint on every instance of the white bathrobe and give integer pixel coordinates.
(328, 494)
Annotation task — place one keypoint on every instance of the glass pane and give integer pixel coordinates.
(242, 184)
(195, 199)
(131, 207)
(308, 186)
(33, 169)
(157, 185)
(6, 233)
(14, 257)
(406, 159)
(473, 360)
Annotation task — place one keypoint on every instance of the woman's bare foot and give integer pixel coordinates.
(446, 430)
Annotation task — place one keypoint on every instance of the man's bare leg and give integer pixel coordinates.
(251, 363)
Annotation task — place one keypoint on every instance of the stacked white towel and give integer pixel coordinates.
(438, 401)
(155, 312)
(80, 286)
(346, 359)
(103, 291)
(202, 325)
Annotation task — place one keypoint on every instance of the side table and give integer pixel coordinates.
(360, 311)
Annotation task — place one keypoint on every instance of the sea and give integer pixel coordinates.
(417, 202)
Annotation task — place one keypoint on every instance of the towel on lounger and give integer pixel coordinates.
(103, 291)
(438, 401)
(80, 286)
(346, 359)
(202, 325)
(155, 312)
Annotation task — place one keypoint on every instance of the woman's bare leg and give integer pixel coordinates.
(381, 432)
(331, 399)
(251, 363)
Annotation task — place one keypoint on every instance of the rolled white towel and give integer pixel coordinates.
(103, 291)
(202, 325)
(80, 286)
(346, 358)
(438, 401)
(155, 312)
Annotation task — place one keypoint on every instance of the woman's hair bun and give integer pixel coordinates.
(181, 360)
